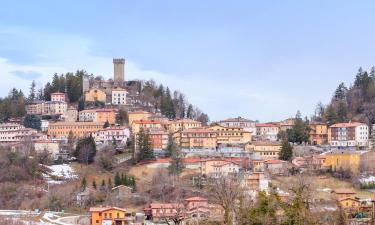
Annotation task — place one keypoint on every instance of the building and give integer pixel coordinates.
(138, 115)
(145, 125)
(58, 97)
(13, 132)
(352, 134)
(350, 204)
(98, 115)
(119, 72)
(120, 134)
(122, 191)
(108, 215)
(44, 108)
(196, 138)
(287, 124)
(231, 135)
(265, 149)
(343, 193)
(78, 129)
(52, 147)
(318, 133)
(218, 167)
(349, 160)
(182, 124)
(267, 131)
(71, 114)
(119, 96)
(164, 211)
(276, 166)
(95, 95)
(44, 125)
(158, 138)
(246, 124)
(256, 181)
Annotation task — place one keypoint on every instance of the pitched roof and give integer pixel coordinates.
(344, 191)
(196, 199)
(101, 209)
(267, 125)
(237, 119)
(350, 124)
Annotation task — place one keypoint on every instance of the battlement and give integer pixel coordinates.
(119, 61)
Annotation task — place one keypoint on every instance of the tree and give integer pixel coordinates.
(117, 179)
(189, 112)
(32, 95)
(300, 130)
(106, 124)
(144, 146)
(342, 112)
(83, 184)
(331, 115)
(102, 186)
(341, 91)
(122, 117)
(171, 145)
(94, 184)
(109, 184)
(32, 121)
(286, 152)
(176, 166)
(85, 150)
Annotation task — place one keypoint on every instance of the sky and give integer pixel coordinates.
(262, 60)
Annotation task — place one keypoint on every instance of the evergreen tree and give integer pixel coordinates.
(83, 184)
(102, 186)
(110, 186)
(189, 112)
(300, 131)
(176, 166)
(94, 184)
(122, 117)
(171, 146)
(106, 124)
(117, 179)
(48, 89)
(341, 91)
(85, 150)
(144, 146)
(331, 115)
(32, 121)
(286, 152)
(342, 112)
(32, 95)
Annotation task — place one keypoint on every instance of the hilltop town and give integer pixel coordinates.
(85, 150)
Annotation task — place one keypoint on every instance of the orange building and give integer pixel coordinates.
(145, 124)
(138, 115)
(103, 115)
(183, 124)
(79, 129)
(108, 215)
(318, 133)
(197, 138)
(158, 138)
(95, 95)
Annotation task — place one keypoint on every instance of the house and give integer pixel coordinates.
(14, 132)
(119, 96)
(265, 149)
(343, 193)
(267, 131)
(246, 124)
(352, 134)
(52, 147)
(164, 211)
(122, 191)
(287, 124)
(158, 139)
(95, 95)
(349, 160)
(182, 124)
(44, 125)
(276, 166)
(98, 115)
(119, 134)
(218, 167)
(318, 133)
(83, 197)
(350, 204)
(71, 114)
(78, 129)
(255, 181)
(145, 125)
(108, 215)
(43, 108)
(231, 135)
(138, 115)
(58, 97)
(196, 138)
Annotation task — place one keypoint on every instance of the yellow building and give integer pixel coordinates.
(350, 204)
(266, 149)
(108, 215)
(182, 124)
(79, 129)
(219, 167)
(196, 138)
(145, 124)
(354, 161)
(103, 115)
(95, 95)
(231, 135)
(138, 115)
(318, 133)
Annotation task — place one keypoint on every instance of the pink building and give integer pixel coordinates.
(58, 97)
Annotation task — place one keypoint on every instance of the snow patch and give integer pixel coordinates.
(61, 172)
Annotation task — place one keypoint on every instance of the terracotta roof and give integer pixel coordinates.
(101, 209)
(57, 93)
(265, 143)
(166, 205)
(191, 160)
(196, 199)
(273, 161)
(198, 130)
(267, 125)
(139, 112)
(350, 124)
(146, 121)
(238, 119)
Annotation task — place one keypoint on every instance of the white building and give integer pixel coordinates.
(58, 97)
(267, 131)
(52, 147)
(88, 115)
(46, 108)
(12, 132)
(246, 124)
(119, 96)
(352, 134)
(44, 125)
(106, 136)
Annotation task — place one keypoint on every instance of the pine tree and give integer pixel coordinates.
(83, 184)
(286, 152)
(176, 166)
(106, 124)
(110, 186)
(341, 91)
(102, 186)
(331, 115)
(32, 95)
(145, 151)
(117, 179)
(189, 113)
(171, 145)
(94, 184)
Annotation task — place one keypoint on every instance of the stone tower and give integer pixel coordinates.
(119, 71)
(85, 83)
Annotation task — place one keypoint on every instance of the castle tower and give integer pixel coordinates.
(85, 83)
(119, 71)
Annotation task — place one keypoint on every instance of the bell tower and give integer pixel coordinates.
(119, 71)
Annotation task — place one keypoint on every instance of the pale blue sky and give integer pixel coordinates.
(258, 59)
